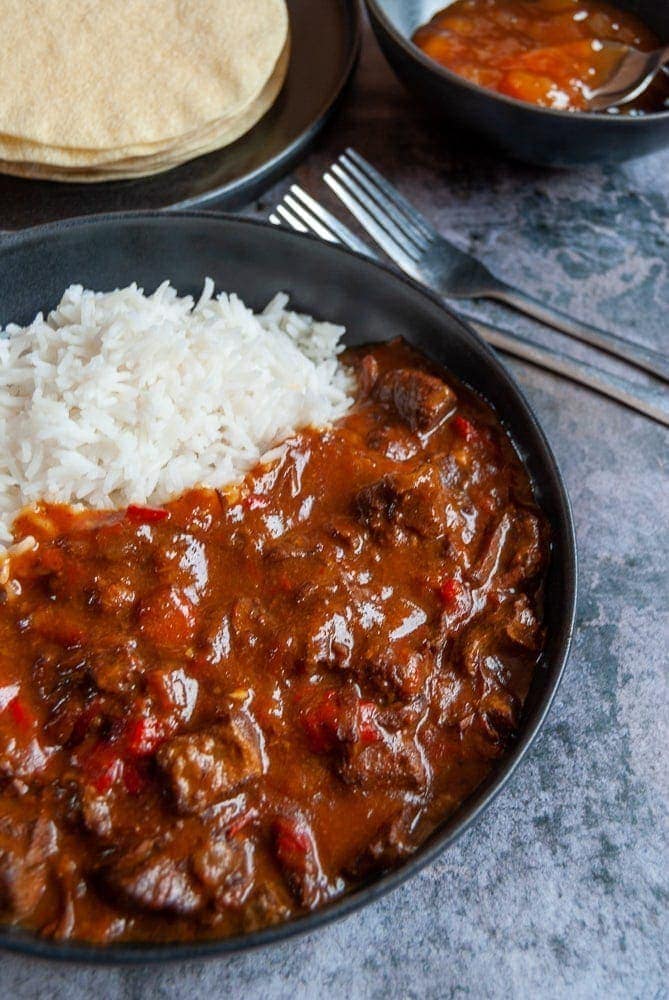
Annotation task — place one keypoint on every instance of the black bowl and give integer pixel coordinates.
(375, 304)
(519, 129)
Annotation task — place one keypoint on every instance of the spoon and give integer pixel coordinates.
(633, 73)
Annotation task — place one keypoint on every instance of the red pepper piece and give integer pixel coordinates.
(449, 591)
(103, 766)
(109, 775)
(146, 515)
(464, 428)
(292, 842)
(321, 723)
(143, 736)
(21, 713)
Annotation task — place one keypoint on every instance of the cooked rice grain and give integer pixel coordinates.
(119, 397)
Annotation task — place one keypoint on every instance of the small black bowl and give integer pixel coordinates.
(375, 304)
(519, 129)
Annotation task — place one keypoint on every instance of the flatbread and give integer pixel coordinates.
(124, 75)
(172, 156)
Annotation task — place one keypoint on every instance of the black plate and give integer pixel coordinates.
(538, 135)
(325, 39)
(375, 304)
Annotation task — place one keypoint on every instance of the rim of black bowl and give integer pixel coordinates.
(29, 944)
(417, 54)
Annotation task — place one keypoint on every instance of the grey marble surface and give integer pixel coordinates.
(562, 889)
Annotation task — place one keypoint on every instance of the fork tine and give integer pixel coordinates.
(380, 214)
(305, 216)
(283, 215)
(393, 195)
(387, 205)
(368, 222)
(342, 232)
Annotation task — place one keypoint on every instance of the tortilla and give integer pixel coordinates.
(172, 156)
(131, 78)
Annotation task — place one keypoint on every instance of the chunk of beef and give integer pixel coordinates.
(58, 625)
(96, 813)
(247, 616)
(115, 670)
(400, 674)
(478, 647)
(57, 674)
(397, 716)
(23, 759)
(203, 768)
(490, 554)
(297, 855)
(420, 400)
(117, 596)
(490, 729)
(522, 626)
(396, 445)
(152, 879)
(224, 867)
(347, 534)
(329, 639)
(43, 841)
(395, 761)
(174, 690)
(453, 696)
(405, 502)
(294, 545)
(264, 908)
(368, 374)
(21, 884)
(421, 501)
(391, 844)
(249, 623)
(528, 545)
(167, 618)
(24, 852)
(473, 649)
(458, 610)
(339, 717)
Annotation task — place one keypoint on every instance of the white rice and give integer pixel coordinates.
(119, 398)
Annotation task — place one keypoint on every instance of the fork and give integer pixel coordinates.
(416, 247)
(301, 212)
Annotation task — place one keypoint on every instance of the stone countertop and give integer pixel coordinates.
(562, 888)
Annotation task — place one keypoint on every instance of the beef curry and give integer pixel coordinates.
(224, 712)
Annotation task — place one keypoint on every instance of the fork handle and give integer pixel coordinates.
(653, 402)
(643, 357)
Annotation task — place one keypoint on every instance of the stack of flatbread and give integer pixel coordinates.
(94, 90)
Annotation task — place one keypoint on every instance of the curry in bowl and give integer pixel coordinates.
(223, 710)
(545, 52)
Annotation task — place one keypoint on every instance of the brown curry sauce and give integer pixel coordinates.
(225, 712)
